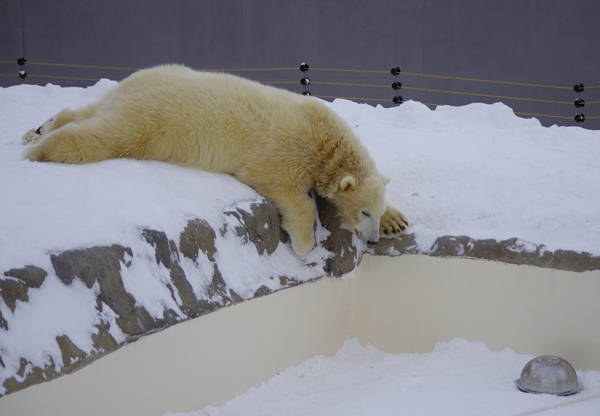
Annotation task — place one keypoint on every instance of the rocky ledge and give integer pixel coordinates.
(512, 251)
(119, 317)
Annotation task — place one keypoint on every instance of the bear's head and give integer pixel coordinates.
(360, 202)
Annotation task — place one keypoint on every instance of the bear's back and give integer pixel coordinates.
(226, 119)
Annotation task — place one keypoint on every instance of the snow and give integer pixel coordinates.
(476, 170)
(481, 171)
(457, 378)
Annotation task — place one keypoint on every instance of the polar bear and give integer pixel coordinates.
(280, 143)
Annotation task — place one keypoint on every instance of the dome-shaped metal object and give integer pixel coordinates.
(548, 374)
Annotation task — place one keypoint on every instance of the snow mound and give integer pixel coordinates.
(456, 378)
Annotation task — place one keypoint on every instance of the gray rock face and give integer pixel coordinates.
(101, 269)
(103, 265)
(260, 227)
(514, 251)
(13, 290)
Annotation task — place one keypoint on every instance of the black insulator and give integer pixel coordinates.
(397, 85)
(580, 118)
(395, 71)
(306, 93)
(579, 103)
(578, 88)
(23, 74)
(21, 61)
(305, 81)
(304, 67)
(398, 100)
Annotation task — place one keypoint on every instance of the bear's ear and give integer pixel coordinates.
(348, 183)
(386, 180)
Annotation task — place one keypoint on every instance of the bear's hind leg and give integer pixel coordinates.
(392, 222)
(73, 143)
(57, 121)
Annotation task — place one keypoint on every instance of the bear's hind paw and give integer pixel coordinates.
(32, 136)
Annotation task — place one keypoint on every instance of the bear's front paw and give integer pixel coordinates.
(302, 247)
(392, 223)
(32, 136)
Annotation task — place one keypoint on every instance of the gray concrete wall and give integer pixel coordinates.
(547, 42)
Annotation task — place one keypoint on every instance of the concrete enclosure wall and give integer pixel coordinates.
(542, 42)
(402, 304)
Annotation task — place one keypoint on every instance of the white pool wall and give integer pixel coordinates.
(408, 304)
(402, 304)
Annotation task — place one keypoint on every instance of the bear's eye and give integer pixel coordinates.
(366, 214)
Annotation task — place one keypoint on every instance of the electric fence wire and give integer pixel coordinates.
(346, 84)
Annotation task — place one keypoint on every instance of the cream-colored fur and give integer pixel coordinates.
(280, 143)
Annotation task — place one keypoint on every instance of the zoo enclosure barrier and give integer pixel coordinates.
(550, 102)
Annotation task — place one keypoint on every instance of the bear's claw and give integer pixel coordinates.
(392, 223)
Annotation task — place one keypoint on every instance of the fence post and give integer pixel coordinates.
(21, 62)
(396, 86)
(305, 81)
(579, 103)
